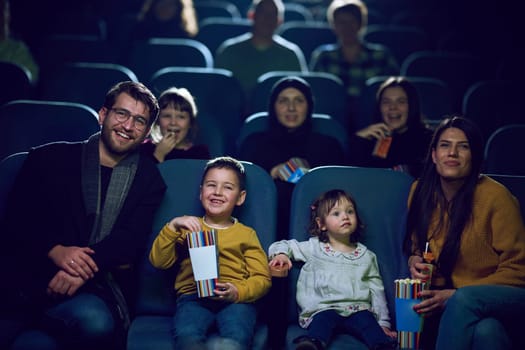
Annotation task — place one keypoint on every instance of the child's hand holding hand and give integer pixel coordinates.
(280, 261)
(190, 223)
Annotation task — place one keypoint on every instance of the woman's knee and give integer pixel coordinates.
(490, 333)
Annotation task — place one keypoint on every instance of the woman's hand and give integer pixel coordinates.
(275, 172)
(434, 300)
(374, 131)
(418, 269)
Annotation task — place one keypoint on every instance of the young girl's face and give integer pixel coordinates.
(220, 193)
(341, 219)
(173, 120)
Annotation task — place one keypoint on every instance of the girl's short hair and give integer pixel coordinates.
(322, 206)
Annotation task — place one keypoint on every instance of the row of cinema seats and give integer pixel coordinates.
(146, 57)
(30, 123)
(492, 102)
(380, 193)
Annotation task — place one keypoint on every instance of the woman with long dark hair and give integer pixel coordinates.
(473, 226)
(397, 137)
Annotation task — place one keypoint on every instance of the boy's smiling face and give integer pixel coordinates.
(220, 193)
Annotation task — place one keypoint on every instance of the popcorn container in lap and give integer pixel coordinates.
(204, 261)
(409, 322)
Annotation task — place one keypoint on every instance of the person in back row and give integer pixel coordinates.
(12, 49)
(290, 144)
(252, 54)
(166, 19)
(77, 219)
(398, 138)
(351, 59)
(173, 133)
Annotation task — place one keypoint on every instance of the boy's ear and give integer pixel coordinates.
(241, 199)
(250, 14)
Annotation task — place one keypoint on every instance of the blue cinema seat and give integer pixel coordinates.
(30, 123)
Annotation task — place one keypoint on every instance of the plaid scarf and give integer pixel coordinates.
(121, 179)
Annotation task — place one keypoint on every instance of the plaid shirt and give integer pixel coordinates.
(374, 60)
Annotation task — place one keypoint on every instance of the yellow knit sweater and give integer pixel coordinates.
(493, 243)
(242, 261)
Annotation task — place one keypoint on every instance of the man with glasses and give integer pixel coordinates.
(77, 219)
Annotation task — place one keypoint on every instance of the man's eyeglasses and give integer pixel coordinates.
(122, 115)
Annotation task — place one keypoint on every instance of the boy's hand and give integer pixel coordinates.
(190, 223)
(226, 291)
(280, 261)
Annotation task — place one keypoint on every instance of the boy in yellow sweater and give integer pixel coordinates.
(243, 265)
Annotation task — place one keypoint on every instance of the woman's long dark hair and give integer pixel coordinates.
(428, 195)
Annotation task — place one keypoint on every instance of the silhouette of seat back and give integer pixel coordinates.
(156, 302)
(216, 8)
(214, 31)
(377, 17)
(510, 66)
(321, 123)
(401, 41)
(29, 123)
(211, 133)
(56, 50)
(16, 82)
(493, 104)
(434, 98)
(84, 82)
(516, 185)
(381, 198)
(148, 56)
(503, 151)
(294, 11)
(307, 35)
(327, 89)
(217, 93)
(457, 70)
(9, 168)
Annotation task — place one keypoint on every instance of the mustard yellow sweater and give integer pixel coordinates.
(242, 261)
(493, 245)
